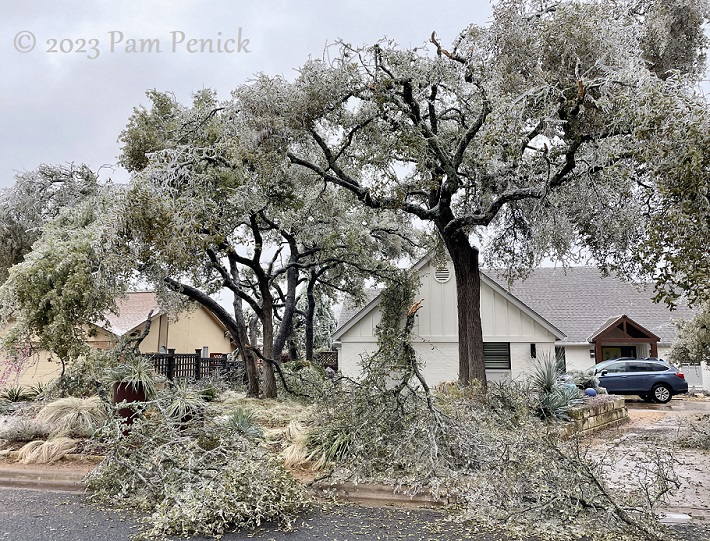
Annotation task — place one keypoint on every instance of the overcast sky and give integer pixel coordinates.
(70, 82)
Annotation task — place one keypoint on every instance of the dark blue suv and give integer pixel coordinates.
(652, 379)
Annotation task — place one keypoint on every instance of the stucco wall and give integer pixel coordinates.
(193, 330)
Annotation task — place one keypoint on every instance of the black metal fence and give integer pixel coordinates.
(195, 367)
(190, 365)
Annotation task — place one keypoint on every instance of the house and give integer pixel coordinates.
(575, 313)
(511, 329)
(603, 317)
(189, 331)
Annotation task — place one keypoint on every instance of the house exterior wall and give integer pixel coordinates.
(191, 331)
(436, 332)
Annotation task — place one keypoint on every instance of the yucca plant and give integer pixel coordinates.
(135, 372)
(183, 403)
(553, 395)
(74, 416)
(243, 421)
(15, 393)
(38, 391)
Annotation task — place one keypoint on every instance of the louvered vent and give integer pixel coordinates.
(442, 274)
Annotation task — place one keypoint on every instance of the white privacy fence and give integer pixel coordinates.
(697, 376)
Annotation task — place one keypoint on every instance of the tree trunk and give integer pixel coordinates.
(289, 310)
(248, 357)
(468, 298)
(310, 315)
(227, 320)
(267, 328)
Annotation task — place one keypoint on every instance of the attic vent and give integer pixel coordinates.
(442, 274)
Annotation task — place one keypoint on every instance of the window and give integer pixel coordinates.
(638, 366)
(615, 368)
(657, 367)
(496, 355)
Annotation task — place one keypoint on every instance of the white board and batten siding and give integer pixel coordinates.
(504, 320)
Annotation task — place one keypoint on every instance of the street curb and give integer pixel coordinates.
(44, 476)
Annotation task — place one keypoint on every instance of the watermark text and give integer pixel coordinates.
(119, 42)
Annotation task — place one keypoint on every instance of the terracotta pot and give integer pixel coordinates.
(130, 393)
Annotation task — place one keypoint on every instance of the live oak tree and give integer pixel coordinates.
(64, 286)
(209, 211)
(541, 134)
(37, 197)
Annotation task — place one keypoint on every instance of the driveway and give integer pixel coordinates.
(660, 428)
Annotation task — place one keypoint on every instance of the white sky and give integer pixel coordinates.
(63, 106)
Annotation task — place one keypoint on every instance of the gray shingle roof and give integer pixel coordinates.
(579, 300)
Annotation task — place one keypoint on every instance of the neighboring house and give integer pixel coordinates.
(576, 313)
(186, 333)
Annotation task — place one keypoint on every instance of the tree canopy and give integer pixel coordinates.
(37, 197)
(543, 133)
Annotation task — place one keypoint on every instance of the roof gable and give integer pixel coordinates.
(350, 316)
(580, 300)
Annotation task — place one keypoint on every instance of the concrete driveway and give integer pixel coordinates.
(661, 429)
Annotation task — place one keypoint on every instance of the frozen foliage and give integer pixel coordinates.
(490, 452)
(195, 479)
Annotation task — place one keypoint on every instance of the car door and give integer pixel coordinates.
(639, 377)
(613, 377)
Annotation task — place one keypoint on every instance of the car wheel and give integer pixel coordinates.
(662, 393)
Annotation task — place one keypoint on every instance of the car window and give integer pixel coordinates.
(638, 366)
(615, 368)
(657, 367)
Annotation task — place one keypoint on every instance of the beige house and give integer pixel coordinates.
(576, 313)
(190, 331)
(511, 329)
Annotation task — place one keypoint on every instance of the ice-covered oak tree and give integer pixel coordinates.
(545, 131)
(208, 211)
(37, 197)
(66, 284)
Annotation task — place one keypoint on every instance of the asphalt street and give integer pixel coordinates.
(30, 515)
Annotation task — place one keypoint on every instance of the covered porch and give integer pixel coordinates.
(620, 336)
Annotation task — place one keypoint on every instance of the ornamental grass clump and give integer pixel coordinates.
(201, 479)
(77, 417)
